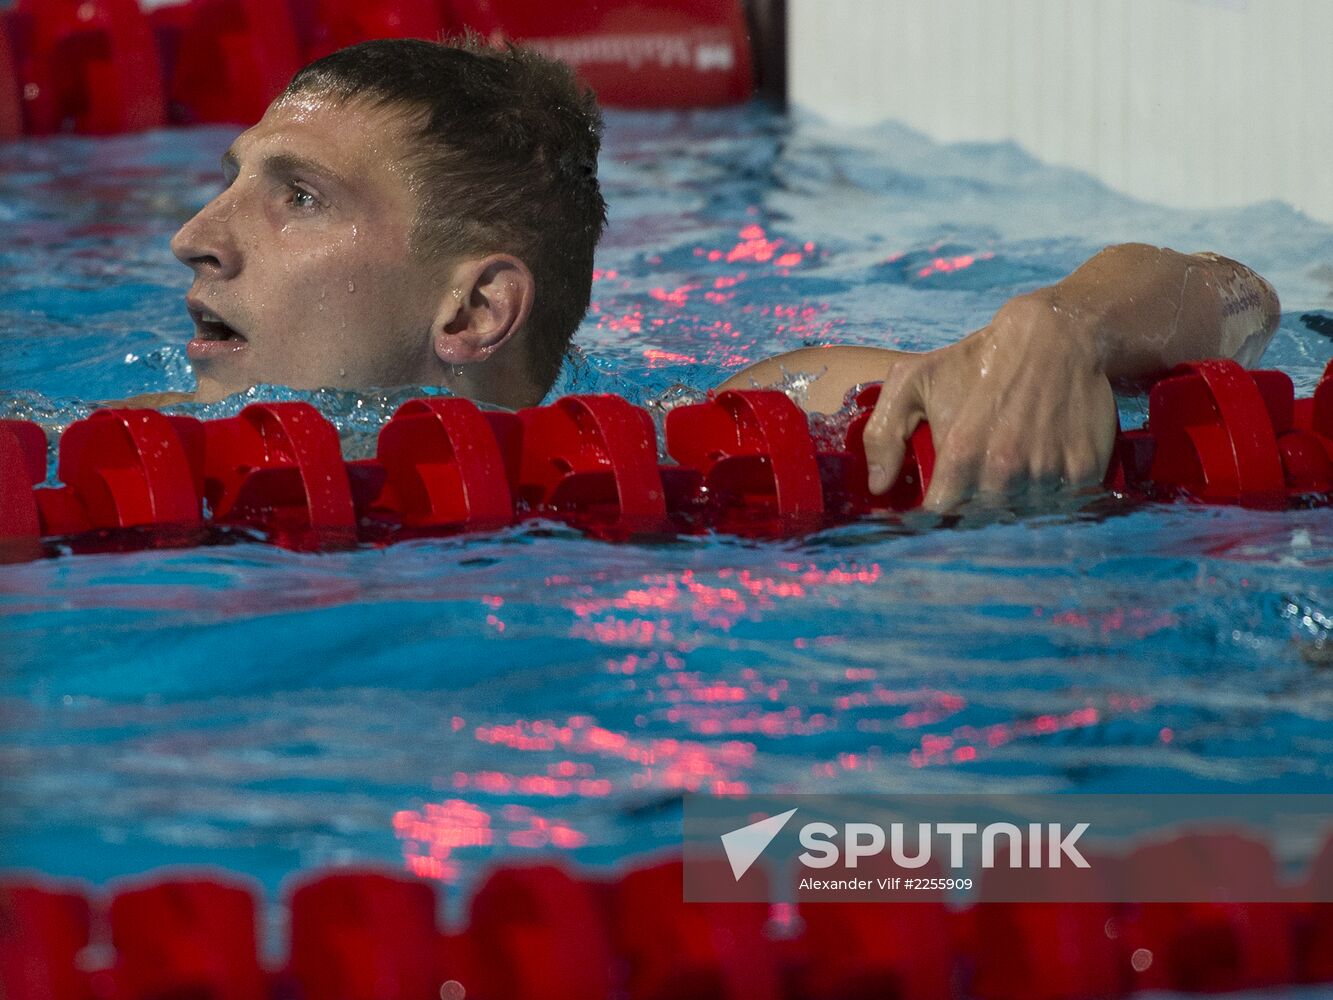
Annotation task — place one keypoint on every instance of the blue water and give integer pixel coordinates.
(533, 690)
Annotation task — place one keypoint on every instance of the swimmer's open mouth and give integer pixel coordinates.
(210, 327)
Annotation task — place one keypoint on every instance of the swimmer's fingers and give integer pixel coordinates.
(901, 406)
(955, 477)
(1088, 454)
(993, 457)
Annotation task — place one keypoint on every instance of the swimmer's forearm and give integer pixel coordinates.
(152, 400)
(1144, 309)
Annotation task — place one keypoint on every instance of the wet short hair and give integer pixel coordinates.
(506, 162)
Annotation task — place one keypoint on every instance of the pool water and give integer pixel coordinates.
(444, 704)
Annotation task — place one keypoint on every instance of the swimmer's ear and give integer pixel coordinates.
(486, 302)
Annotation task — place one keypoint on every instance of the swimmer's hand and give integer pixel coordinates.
(151, 401)
(1020, 404)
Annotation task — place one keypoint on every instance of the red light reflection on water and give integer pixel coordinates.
(962, 744)
(755, 247)
(944, 265)
(433, 833)
(656, 357)
(1137, 623)
(662, 762)
(737, 594)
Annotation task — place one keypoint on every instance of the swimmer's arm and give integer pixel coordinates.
(838, 370)
(1132, 311)
(1145, 309)
(1026, 400)
(151, 401)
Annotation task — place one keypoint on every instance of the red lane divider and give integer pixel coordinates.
(441, 464)
(540, 932)
(1216, 427)
(1316, 939)
(903, 950)
(87, 66)
(746, 464)
(107, 66)
(913, 481)
(1048, 951)
(124, 469)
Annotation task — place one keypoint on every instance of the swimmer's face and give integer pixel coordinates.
(304, 257)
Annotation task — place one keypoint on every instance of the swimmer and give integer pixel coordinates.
(414, 213)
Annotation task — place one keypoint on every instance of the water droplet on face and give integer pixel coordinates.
(351, 286)
(342, 372)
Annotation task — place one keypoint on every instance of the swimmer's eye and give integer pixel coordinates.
(301, 199)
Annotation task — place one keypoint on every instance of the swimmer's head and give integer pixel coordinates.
(406, 213)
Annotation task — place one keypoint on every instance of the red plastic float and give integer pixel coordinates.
(22, 466)
(1216, 429)
(593, 460)
(88, 66)
(124, 469)
(1218, 943)
(441, 465)
(364, 935)
(756, 457)
(1316, 944)
(903, 950)
(186, 937)
(849, 468)
(539, 934)
(228, 58)
(674, 949)
(1047, 951)
(278, 467)
(42, 931)
(11, 116)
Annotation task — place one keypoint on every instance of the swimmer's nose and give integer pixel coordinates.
(204, 245)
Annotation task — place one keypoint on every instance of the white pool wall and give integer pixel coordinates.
(1188, 103)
